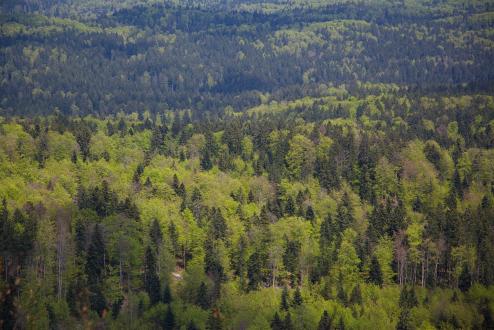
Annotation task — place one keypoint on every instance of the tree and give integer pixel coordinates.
(83, 138)
(291, 256)
(309, 214)
(202, 298)
(326, 238)
(97, 300)
(403, 320)
(288, 324)
(285, 296)
(255, 265)
(356, 295)
(325, 322)
(347, 260)
(42, 152)
(276, 322)
(167, 295)
(95, 260)
(214, 320)
(156, 234)
(465, 279)
(169, 321)
(151, 280)
(192, 326)
(408, 298)
(297, 297)
(375, 274)
(173, 234)
(301, 157)
(206, 163)
(290, 206)
(8, 312)
(341, 324)
(345, 212)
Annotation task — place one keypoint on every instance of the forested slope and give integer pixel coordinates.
(246, 165)
(163, 57)
(144, 221)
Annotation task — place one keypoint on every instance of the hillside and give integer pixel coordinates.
(246, 165)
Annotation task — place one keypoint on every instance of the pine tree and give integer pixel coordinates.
(465, 279)
(254, 270)
(341, 324)
(173, 234)
(341, 294)
(192, 326)
(151, 280)
(291, 256)
(345, 212)
(288, 324)
(206, 163)
(356, 295)
(202, 298)
(175, 183)
(156, 234)
(277, 323)
(403, 320)
(375, 273)
(8, 311)
(167, 295)
(169, 321)
(214, 320)
(80, 238)
(408, 298)
(290, 206)
(42, 152)
(285, 296)
(83, 138)
(325, 322)
(309, 214)
(97, 300)
(95, 260)
(297, 297)
(74, 157)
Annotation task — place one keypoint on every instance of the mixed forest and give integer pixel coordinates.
(246, 165)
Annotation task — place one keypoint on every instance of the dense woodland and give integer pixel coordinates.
(247, 165)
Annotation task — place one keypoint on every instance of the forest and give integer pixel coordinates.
(247, 165)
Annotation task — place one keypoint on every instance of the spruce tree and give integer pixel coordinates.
(465, 279)
(277, 323)
(325, 322)
(151, 280)
(156, 234)
(356, 295)
(202, 298)
(206, 163)
(375, 273)
(284, 305)
(297, 297)
(167, 295)
(309, 214)
(95, 260)
(192, 326)
(169, 321)
(288, 324)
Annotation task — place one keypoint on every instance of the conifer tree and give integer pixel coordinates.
(169, 321)
(297, 297)
(284, 299)
(325, 322)
(95, 260)
(375, 273)
(151, 280)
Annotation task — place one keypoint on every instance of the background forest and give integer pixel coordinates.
(246, 165)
